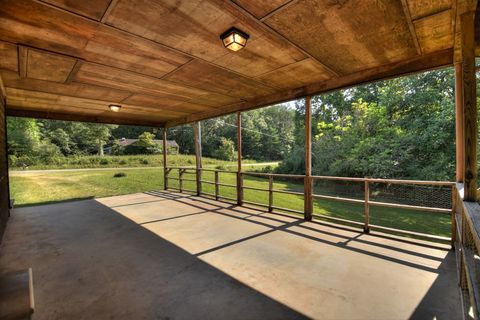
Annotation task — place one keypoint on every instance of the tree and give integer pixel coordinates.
(226, 150)
(99, 133)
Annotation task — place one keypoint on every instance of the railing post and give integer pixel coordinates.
(239, 160)
(308, 199)
(239, 188)
(216, 185)
(180, 181)
(165, 169)
(366, 227)
(270, 193)
(197, 133)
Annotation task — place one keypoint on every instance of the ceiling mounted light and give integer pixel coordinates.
(234, 39)
(115, 107)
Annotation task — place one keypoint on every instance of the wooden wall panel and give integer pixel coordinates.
(89, 8)
(348, 36)
(4, 185)
(435, 32)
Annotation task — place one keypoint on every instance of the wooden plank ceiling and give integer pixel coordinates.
(163, 61)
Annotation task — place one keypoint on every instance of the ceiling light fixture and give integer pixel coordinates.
(234, 39)
(115, 107)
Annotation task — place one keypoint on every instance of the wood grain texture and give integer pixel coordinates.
(8, 56)
(207, 77)
(89, 8)
(296, 75)
(260, 8)
(74, 89)
(469, 97)
(435, 32)
(194, 27)
(51, 29)
(422, 8)
(347, 36)
(43, 65)
(33, 100)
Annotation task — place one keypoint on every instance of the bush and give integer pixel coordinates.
(104, 161)
(226, 150)
(119, 175)
(122, 162)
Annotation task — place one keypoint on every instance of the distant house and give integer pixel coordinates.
(172, 145)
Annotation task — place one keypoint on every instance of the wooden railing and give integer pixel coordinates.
(467, 249)
(365, 200)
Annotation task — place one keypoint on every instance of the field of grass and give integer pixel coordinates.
(33, 188)
(125, 161)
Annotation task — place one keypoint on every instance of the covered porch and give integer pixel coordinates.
(172, 255)
(177, 256)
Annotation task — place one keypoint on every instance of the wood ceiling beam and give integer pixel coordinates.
(408, 17)
(11, 111)
(459, 8)
(236, 9)
(419, 63)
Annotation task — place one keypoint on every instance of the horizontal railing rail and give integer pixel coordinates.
(466, 234)
(363, 194)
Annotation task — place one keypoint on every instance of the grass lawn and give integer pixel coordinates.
(41, 188)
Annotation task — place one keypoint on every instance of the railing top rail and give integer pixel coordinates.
(379, 180)
(181, 168)
(218, 170)
(280, 175)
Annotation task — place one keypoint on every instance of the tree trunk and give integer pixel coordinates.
(100, 148)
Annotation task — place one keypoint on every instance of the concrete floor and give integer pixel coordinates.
(169, 256)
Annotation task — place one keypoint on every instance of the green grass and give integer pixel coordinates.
(42, 188)
(156, 160)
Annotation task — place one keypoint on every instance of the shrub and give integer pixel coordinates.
(105, 161)
(119, 175)
(122, 162)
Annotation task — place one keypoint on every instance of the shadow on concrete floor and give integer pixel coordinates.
(101, 265)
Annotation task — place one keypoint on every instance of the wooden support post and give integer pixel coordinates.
(469, 96)
(366, 227)
(216, 185)
(270, 193)
(180, 179)
(197, 133)
(459, 124)
(239, 160)
(308, 207)
(165, 170)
